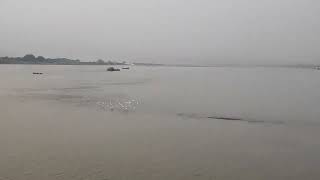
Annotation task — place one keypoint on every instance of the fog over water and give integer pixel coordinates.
(166, 31)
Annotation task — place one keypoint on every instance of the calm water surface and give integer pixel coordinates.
(81, 122)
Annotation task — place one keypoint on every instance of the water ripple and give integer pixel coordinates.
(118, 104)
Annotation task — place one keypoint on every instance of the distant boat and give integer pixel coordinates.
(112, 69)
(37, 73)
(125, 68)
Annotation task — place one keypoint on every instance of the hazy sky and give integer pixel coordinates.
(163, 31)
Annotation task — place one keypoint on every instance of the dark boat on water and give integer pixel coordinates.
(112, 69)
(125, 68)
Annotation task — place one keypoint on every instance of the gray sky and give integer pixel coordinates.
(163, 31)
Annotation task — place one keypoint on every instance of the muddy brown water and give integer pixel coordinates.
(83, 123)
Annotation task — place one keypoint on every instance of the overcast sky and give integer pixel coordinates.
(163, 31)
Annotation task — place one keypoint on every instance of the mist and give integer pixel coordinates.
(166, 31)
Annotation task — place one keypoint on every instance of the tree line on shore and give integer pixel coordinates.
(32, 59)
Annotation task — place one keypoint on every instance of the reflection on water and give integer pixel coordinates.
(111, 102)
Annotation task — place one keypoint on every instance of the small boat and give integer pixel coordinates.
(125, 68)
(112, 69)
(37, 73)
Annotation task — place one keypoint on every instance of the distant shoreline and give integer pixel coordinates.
(30, 59)
(169, 65)
(40, 60)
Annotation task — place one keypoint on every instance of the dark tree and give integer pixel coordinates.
(29, 57)
(41, 58)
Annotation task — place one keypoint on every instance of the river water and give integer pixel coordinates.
(210, 123)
